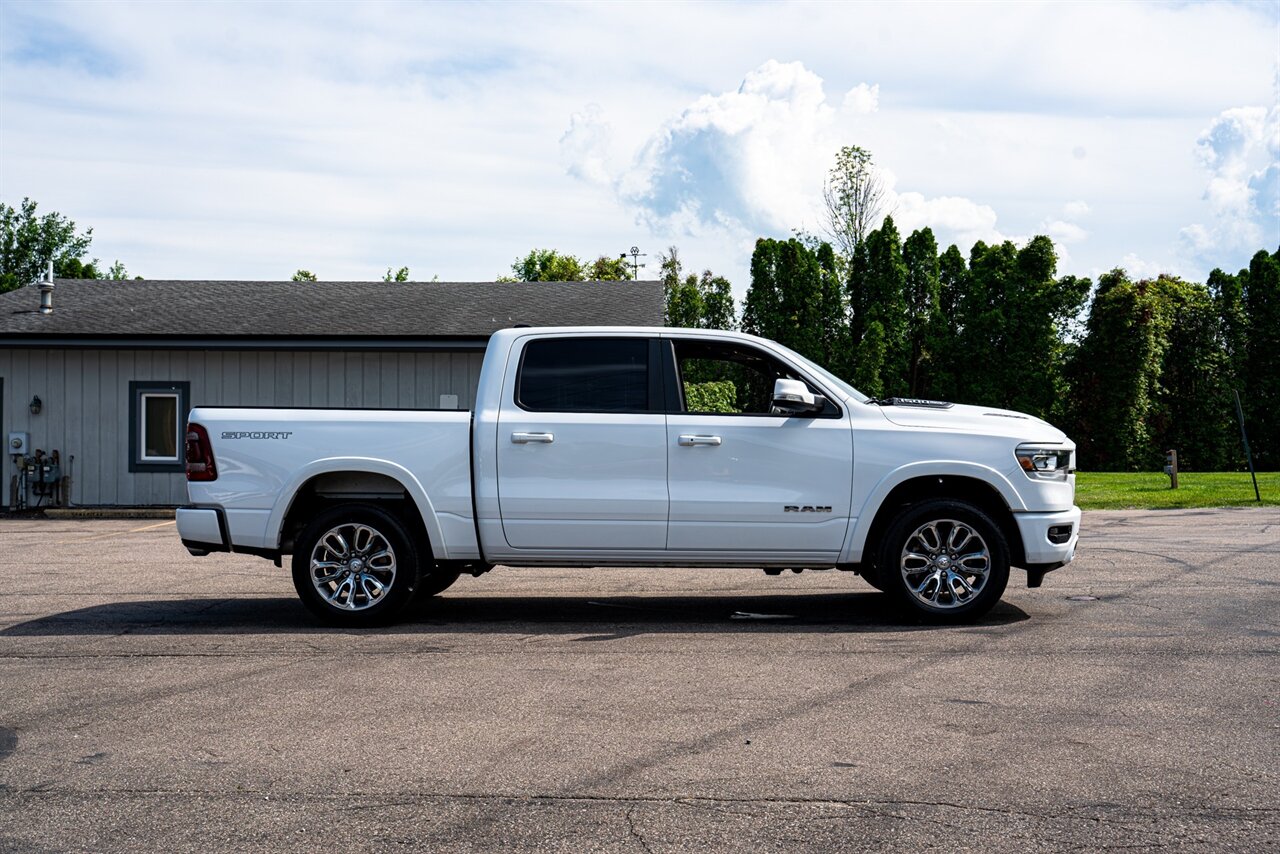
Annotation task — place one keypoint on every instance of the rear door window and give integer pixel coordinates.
(584, 375)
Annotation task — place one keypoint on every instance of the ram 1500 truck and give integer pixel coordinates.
(636, 447)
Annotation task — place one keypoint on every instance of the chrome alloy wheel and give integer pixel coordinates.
(352, 567)
(945, 563)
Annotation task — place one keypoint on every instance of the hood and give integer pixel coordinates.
(972, 419)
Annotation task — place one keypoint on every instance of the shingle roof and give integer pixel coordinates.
(407, 310)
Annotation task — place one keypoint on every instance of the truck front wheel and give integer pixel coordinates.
(356, 565)
(946, 559)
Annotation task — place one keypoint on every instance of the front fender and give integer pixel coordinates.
(853, 550)
(332, 465)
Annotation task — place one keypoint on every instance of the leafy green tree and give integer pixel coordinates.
(923, 292)
(833, 313)
(548, 265)
(1261, 397)
(868, 361)
(73, 268)
(1194, 410)
(877, 294)
(761, 309)
(1012, 319)
(29, 242)
(1148, 377)
(401, 275)
(605, 269)
(694, 302)
(304, 276)
(784, 301)
(1227, 292)
(117, 272)
(1115, 376)
(944, 332)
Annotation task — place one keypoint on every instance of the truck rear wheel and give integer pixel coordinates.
(945, 559)
(356, 565)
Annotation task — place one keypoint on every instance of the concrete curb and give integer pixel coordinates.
(109, 513)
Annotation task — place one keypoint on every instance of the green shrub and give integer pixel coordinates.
(714, 396)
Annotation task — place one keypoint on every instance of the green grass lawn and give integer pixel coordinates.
(1149, 490)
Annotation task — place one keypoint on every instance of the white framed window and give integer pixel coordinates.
(159, 426)
(157, 416)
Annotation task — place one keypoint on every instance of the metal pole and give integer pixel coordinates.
(1244, 437)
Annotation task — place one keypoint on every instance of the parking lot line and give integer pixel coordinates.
(118, 533)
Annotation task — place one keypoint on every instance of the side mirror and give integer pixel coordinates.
(792, 397)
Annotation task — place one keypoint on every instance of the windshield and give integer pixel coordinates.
(826, 375)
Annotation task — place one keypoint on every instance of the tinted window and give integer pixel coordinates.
(585, 375)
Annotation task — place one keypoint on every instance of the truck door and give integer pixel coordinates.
(582, 456)
(742, 478)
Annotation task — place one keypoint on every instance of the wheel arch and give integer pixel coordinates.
(354, 479)
(984, 488)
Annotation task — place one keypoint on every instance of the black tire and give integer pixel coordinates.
(347, 606)
(959, 528)
(871, 575)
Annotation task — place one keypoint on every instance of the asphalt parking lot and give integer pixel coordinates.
(150, 701)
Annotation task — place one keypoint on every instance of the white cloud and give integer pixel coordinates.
(862, 99)
(952, 218)
(750, 158)
(1076, 210)
(1139, 269)
(1240, 149)
(1064, 232)
(585, 145)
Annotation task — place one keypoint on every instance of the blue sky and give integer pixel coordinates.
(248, 140)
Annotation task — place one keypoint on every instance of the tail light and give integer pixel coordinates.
(199, 454)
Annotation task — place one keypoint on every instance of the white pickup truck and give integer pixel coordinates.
(626, 446)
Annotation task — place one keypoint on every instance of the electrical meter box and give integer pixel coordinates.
(19, 443)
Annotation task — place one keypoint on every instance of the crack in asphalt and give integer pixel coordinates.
(636, 834)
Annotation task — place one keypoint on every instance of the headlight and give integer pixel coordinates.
(1043, 463)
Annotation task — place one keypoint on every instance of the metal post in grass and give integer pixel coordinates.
(1244, 437)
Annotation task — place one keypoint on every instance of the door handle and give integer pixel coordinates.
(689, 440)
(526, 438)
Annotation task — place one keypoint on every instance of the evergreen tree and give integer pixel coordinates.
(833, 313)
(944, 333)
(1261, 396)
(785, 301)
(920, 255)
(877, 294)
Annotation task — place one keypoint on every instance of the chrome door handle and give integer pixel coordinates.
(526, 438)
(689, 440)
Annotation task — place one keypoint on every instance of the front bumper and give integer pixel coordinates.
(1039, 530)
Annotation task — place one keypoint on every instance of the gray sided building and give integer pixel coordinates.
(107, 377)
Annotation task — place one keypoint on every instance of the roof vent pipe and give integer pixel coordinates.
(46, 293)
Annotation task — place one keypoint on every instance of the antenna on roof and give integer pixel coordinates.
(635, 264)
(46, 292)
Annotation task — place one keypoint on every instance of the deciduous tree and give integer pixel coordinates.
(853, 197)
(29, 242)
